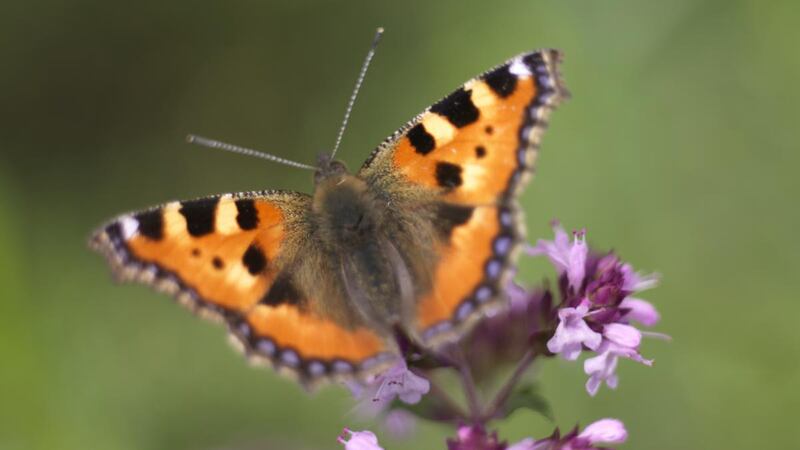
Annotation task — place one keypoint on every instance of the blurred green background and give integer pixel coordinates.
(679, 149)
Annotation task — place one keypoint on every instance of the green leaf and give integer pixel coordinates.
(526, 396)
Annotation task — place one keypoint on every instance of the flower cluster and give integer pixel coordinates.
(597, 308)
(593, 308)
(475, 437)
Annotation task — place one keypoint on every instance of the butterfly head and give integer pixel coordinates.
(328, 168)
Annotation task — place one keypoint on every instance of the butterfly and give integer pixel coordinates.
(419, 242)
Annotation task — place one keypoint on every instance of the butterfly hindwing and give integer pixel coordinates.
(472, 150)
(469, 273)
(228, 258)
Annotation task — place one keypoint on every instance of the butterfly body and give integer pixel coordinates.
(420, 240)
(351, 229)
(377, 246)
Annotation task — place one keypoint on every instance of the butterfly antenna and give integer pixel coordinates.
(211, 143)
(361, 75)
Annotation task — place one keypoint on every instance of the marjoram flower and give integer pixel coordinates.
(359, 440)
(568, 257)
(475, 437)
(596, 307)
(396, 382)
(572, 333)
(601, 432)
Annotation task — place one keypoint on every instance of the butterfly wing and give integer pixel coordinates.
(230, 258)
(471, 153)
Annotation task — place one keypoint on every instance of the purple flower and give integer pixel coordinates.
(358, 440)
(606, 285)
(641, 311)
(604, 431)
(573, 333)
(619, 340)
(601, 432)
(624, 335)
(475, 437)
(596, 307)
(400, 382)
(601, 368)
(634, 282)
(397, 381)
(569, 258)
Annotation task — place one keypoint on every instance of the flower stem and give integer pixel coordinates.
(505, 391)
(450, 404)
(470, 391)
(455, 359)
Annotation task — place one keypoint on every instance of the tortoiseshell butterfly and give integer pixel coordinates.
(419, 241)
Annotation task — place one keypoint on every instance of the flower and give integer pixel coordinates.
(358, 440)
(601, 432)
(604, 431)
(597, 308)
(619, 340)
(569, 258)
(397, 381)
(640, 311)
(475, 437)
(573, 333)
(637, 282)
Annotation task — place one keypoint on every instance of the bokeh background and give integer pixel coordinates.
(679, 149)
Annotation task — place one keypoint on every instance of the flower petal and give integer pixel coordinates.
(576, 260)
(572, 333)
(605, 431)
(634, 282)
(624, 335)
(414, 387)
(359, 440)
(557, 250)
(641, 311)
(569, 351)
(596, 364)
(399, 381)
(593, 385)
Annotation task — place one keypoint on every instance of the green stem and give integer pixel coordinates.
(450, 405)
(470, 391)
(505, 391)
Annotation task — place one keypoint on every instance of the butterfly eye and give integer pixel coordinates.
(338, 168)
(318, 176)
(329, 169)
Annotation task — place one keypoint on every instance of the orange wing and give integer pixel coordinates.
(473, 151)
(225, 258)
